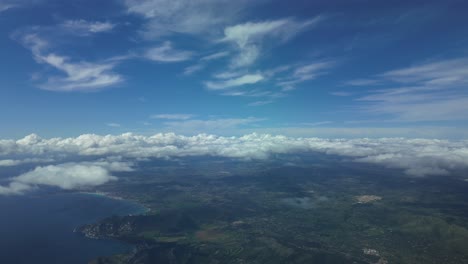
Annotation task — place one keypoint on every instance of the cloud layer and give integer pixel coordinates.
(416, 157)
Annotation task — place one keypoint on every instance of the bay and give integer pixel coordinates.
(39, 228)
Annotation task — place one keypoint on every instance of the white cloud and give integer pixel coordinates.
(79, 76)
(83, 27)
(318, 123)
(113, 124)
(165, 53)
(341, 93)
(444, 72)
(215, 56)
(5, 6)
(304, 73)
(196, 17)
(172, 116)
(9, 162)
(14, 188)
(194, 68)
(66, 176)
(416, 157)
(204, 61)
(10, 4)
(248, 37)
(432, 91)
(260, 103)
(228, 74)
(362, 82)
(16, 162)
(238, 81)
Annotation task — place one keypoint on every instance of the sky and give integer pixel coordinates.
(329, 69)
(92, 88)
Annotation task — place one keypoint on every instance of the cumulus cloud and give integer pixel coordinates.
(166, 53)
(66, 176)
(416, 157)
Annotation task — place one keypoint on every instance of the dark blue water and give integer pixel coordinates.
(39, 228)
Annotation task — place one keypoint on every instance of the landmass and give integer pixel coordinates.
(261, 213)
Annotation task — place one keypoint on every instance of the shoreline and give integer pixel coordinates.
(145, 208)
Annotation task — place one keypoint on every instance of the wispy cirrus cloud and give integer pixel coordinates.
(84, 27)
(113, 125)
(203, 61)
(76, 76)
(193, 69)
(362, 82)
(215, 56)
(436, 74)
(172, 116)
(304, 73)
(10, 4)
(318, 123)
(234, 82)
(260, 103)
(341, 93)
(248, 37)
(431, 91)
(81, 76)
(198, 17)
(166, 53)
(219, 22)
(6, 6)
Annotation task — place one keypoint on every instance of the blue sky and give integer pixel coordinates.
(299, 68)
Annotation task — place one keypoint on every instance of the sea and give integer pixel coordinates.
(38, 228)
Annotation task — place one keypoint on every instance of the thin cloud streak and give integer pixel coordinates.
(432, 91)
(166, 53)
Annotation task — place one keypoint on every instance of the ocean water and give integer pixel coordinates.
(38, 228)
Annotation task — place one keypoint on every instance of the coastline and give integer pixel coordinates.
(145, 209)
